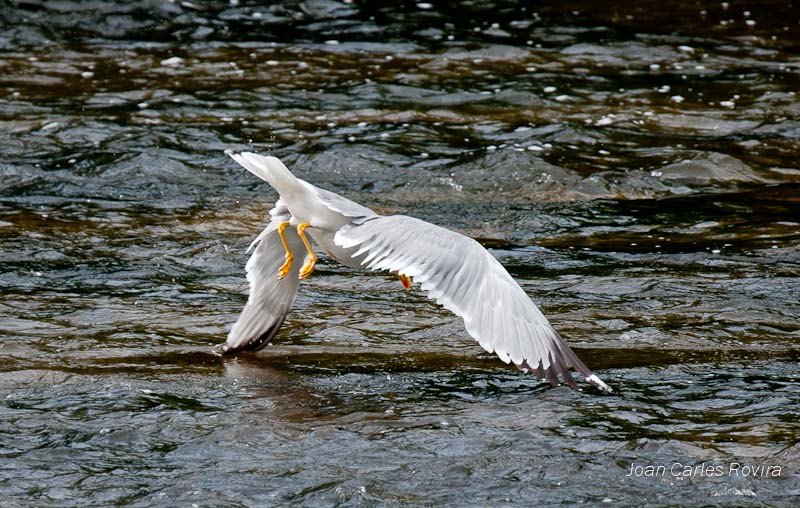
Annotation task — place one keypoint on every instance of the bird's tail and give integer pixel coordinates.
(269, 168)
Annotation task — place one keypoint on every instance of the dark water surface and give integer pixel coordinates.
(633, 164)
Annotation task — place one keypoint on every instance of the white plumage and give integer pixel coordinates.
(455, 271)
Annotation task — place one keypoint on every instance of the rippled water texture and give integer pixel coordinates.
(633, 164)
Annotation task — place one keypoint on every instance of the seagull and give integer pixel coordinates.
(454, 270)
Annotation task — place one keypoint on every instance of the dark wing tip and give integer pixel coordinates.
(255, 344)
(556, 374)
(561, 359)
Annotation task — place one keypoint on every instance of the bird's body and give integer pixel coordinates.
(455, 270)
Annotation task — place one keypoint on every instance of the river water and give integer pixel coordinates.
(633, 164)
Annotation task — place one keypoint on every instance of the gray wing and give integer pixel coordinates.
(462, 276)
(270, 298)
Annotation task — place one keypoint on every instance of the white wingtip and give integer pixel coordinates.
(598, 382)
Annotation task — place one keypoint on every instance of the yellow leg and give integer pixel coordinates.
(311, 259)
(287, 265)
(405, 279)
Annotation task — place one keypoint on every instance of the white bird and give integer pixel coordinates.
(455, 271)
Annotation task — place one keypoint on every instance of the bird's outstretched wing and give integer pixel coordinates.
(270, 298)
(462, 276)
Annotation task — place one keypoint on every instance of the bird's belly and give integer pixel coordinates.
(324, 239)
(306, 208)
(320, 218)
